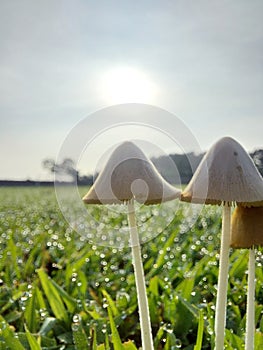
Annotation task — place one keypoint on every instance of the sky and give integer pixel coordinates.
(61, 62)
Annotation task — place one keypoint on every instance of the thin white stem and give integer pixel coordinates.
(220, 315)
(146, 332)
(250, 321)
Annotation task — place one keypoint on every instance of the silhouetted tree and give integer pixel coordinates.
(66, 167)
(185, 164)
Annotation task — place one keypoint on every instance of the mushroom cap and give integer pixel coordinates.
(226, 174)
(247, 227)
(130, 174)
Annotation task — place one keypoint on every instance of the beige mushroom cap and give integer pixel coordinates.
(130, 174)
(226, 174)
(247, 227)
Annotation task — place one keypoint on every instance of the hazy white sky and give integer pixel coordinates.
(62, 60)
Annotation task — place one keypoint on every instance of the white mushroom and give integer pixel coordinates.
(226, 175)
(129, 175)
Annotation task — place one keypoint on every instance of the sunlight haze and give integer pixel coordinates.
(62, 61)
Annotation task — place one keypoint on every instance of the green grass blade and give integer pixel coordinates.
(9, 336)
(100, 347)
(232, 340)
(36, 252)
(258, 341)
(16, 296)
(68, 300)
(107, 343)
(200, 332)
(53, 297)
(32, 341)
(12, 249)
(185, 288)
(116, 340)
(111, 303)
(154, 286)
(94, 339)
(129, 346)
(79, 337)
(48, 325)
(191, 308)
(30, 313)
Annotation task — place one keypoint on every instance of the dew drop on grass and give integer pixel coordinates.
(75, 327)
(105, 305)
(76, 323)
(104, 329)
(76, 318)
(79, 303)
(43, 314)
(184, 257)
(178, 343)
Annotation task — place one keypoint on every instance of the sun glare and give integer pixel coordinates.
(125, 85)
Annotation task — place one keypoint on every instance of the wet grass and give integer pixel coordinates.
(60, 290)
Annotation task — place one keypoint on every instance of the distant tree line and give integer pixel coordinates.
(175, 168)
(186, 165)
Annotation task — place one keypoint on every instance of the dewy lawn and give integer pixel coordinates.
(60, 290)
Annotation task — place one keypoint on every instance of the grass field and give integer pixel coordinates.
(59, 290)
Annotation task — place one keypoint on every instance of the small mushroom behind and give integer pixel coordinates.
(247, 232)
(247, 227)
(127, 176)
(226, 175)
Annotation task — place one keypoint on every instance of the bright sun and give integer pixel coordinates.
(126, 84)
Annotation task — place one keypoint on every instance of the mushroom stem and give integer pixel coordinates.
(220, 314)
(146, 332)
(250, 321)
